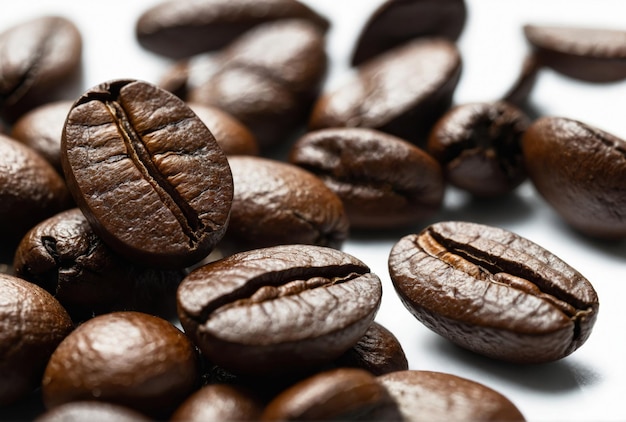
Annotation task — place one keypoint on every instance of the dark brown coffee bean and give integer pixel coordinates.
(401, 92)
(231, 135)
(523, 86)
(32, 324)
(147, 173)
(64, 256)
(258, 312)
(383, 181)
(580, 171)
(588, 54)
(41, 129)
(30, 190)
(269, 78)
(126, 358)
(435, 396)
(378, 352)
(219, 403)
(182, 29)
(479, 147)
(398, 21)
(277, 203)
(338, 394)
(41, 61)
(493, 292)
(91, 411)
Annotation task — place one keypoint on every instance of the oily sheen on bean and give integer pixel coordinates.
(147, 173)
(493, 292)
(280, 309)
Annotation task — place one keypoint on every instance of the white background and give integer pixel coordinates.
(586, 386)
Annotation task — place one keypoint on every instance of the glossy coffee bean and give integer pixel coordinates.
(127, 358)
(231, 135)
(64, 256)
(277, 203)
(219, 402)
(588, 54)
(41, 129)
(383, 181)
(258, 312)
(338, 394)
(268, 79)
(147, 173)
(182, 29)
(519, 93)
(32, 324)
(91, 411)
(41, 62)
(378, 352)
(479, 147)
(436, 396)
(580, 171)
(493, 292)
(30, 190)
(401, 92)
(395, 22)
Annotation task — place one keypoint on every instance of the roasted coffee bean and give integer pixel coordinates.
(398, 21)
(182, 29)
(147, 173)
(41, 129)
(401, 92)
(493, 292)
(383, 181)
(32, 324)
(277, 203)
(378, 352)
(588, 54)
(479, 147)
(64, 256)
(258, 312)
(41, 62)
(219, 403)
(91, 411)
(30, 190)
(338, 394)
(435, 396)
(126, 358)
(523, 86)
(268, 79)
(231, 135)
(580, 171)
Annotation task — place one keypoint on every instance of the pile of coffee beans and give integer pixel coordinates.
(172, 249)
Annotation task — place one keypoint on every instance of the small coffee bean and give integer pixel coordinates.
(32, 324)
(41, 129)
(126, 358)
(277, 203)
(588, 54)
(435, 396)
(523, 86)
(337, 394)
(231, 135)
(147, 173)
(383, 181)
(479, 147)
(91, 411)
(30, 190)
(177, 30)
(493, 292)
(401, 92)
(219, 402)
(258, 312)
(580, 171)
(395, 22)
(41, 61)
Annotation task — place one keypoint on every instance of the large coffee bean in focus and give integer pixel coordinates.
(493, 292)
(147, 173)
